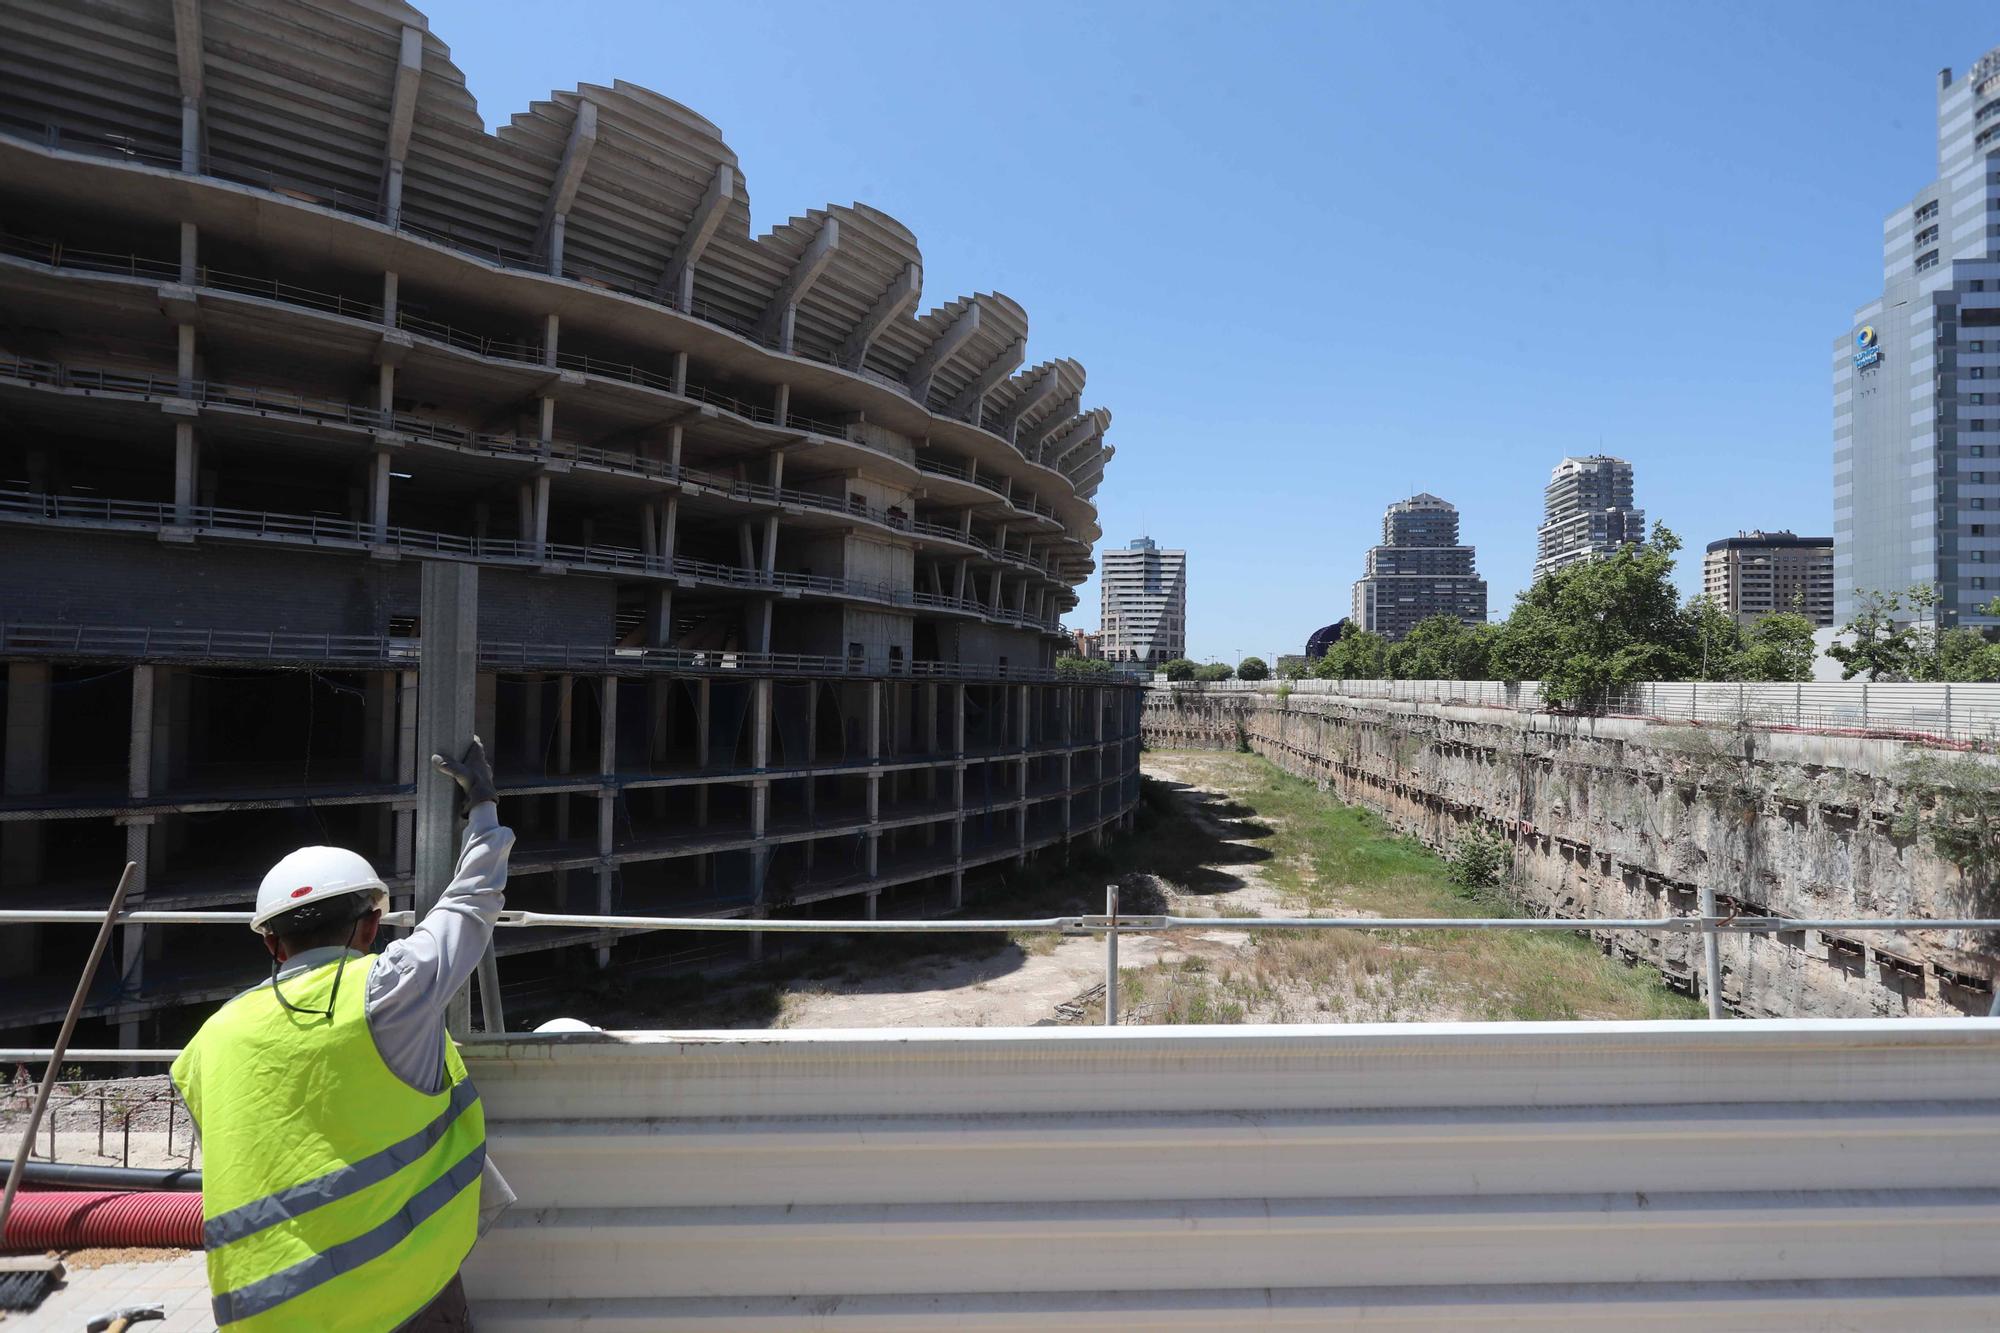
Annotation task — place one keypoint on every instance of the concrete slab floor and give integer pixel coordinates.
(175, 1279)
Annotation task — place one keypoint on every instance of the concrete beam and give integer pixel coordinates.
(569, 175)
(402, 116)
(970, 404)
(677, 283)
(1032, 397)
(895, 300)
(446, 685)
(777, 320)
(1030, 441)
(1087, 462)
(1082, 431)
(942, 349)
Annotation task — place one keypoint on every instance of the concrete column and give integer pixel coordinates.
(190, 135)
(701, 756)
(670, 529)
(138, 834)
(874, 720)
(378, 496)
(680, 387)
(760, 796)
(187, 468)
(782, 406)
(812, 759)
(607, 801)
(190, 253)
(27, 768)
(404, 858)
(540, 534)
(446, 689)
(958, 584)
(185, 365)
(607, 726)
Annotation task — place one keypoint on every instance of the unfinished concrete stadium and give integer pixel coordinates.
(772, 565)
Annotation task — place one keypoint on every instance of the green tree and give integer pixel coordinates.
(1253, 668)
(1361, 655)
(1082, 667)
(1178, 668)
(1888, 637)
(1444, 648)
(1775, 647)
(1589, 628)
(1210, 672)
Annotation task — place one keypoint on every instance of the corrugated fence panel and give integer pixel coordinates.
(1734, 1175)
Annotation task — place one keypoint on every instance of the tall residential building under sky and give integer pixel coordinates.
(1587, 512)
(1756, 573)
(1418, 571)
(1916, 381)
(1145, 603)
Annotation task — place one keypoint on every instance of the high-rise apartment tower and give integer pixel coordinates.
(1418, 571)
(1145, 604)
(1756, 573)
(1916, 381)
(1587, 512)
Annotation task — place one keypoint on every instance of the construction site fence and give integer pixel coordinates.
(1709, 924)
(1947, 711)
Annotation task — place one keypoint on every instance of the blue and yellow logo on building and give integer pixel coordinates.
(1867, 350)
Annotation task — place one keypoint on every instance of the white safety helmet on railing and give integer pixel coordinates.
(313, 875)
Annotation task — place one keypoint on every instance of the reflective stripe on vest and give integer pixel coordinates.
(335, 1195)
(247, 1302)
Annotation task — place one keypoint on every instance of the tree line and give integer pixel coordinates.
(1587, 629)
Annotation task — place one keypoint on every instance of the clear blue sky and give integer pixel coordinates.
(1317, 257)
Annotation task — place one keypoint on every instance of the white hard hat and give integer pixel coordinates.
(312, 875)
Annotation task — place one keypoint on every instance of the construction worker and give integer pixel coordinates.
(343, 1146)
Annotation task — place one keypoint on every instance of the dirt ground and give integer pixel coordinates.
(1024, 988)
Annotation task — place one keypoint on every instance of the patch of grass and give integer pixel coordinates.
(1343, 860)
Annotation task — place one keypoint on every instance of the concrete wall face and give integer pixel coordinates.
(1916, 415)
(1618, 818)
(251, 381)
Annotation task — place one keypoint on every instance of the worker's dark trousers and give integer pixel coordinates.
(445, 1314)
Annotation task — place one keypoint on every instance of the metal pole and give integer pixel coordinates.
(1711, 953)
(62, 1041)
(1111, 957)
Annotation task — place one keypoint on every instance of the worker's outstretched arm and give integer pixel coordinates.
(417, 975)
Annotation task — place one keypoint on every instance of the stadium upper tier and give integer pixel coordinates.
(346, 126)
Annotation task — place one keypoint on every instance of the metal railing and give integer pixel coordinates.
(263, 524)
(521, 351)
(111, 1112)
(125, 148)
(125, 642)
(1709, 925)
(1961, 712)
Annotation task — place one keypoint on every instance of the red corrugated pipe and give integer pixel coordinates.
(68, 1220)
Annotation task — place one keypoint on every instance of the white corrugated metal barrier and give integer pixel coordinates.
(1736, 1175)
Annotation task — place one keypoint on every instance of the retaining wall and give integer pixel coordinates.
(1621, 817)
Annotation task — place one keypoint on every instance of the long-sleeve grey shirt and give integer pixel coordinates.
(416, 976)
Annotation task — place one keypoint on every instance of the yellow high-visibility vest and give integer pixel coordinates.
(333, 1194)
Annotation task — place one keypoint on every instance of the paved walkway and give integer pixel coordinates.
(174, 1279)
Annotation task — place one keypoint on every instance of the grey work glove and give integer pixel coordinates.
(472, 773)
